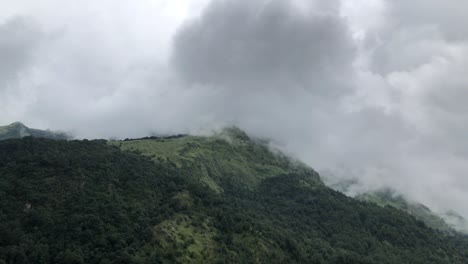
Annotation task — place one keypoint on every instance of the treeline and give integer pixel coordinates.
(156, 137)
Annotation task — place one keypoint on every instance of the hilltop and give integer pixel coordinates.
(229, 157)
(19, 130)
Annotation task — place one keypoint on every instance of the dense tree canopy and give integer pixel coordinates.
(90, 202)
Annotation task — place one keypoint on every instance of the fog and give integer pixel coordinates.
(372, 91)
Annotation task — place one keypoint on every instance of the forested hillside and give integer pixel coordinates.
(220, 199)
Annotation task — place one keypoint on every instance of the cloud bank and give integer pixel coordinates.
(371, 91)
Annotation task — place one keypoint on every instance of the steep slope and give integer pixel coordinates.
(221, 201)
(19, 130)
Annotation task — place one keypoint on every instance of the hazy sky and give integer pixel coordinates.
(368, 89)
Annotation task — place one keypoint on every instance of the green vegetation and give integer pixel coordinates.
(221, 199)
(228, 158)
(18, 130)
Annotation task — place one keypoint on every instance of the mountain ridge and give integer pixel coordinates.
(19, 130)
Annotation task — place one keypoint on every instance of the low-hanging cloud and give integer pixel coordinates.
(371, 91)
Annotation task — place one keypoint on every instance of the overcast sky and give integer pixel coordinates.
(370, 89)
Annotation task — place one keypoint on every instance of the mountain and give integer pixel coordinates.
(19, 130)
(226, 198)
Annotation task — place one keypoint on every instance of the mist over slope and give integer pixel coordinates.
(449, 221)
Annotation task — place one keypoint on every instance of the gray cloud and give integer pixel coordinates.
(420, 52)
(255, 45)
(18, 40)
(416, 32)
(448, 17)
